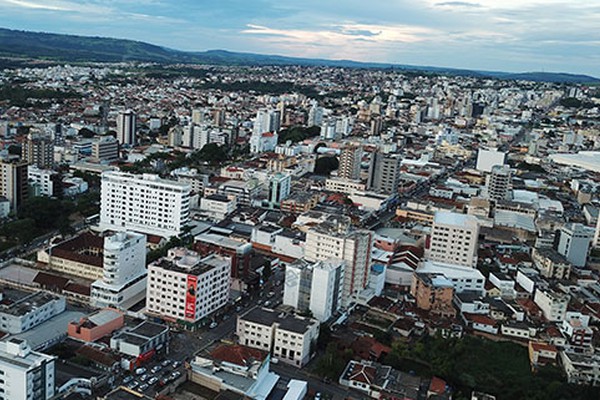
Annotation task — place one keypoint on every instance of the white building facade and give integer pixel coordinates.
(143, 203)
(454, 239)
(26, 374)
(124, 265)
(185, 286)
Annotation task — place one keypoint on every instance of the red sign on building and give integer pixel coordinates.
(190, 297)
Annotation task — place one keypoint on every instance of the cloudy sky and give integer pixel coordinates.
(506, 35)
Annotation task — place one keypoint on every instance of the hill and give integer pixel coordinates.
(72, 48)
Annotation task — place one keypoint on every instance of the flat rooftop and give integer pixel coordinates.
(286, 322)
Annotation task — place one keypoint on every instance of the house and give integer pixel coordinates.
(541, 353)
(380, 381)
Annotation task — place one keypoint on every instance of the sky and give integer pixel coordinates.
(499, 35)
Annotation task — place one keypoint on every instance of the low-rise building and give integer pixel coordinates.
(217, 206)
(433, 293)
(551, 264)
(79, 256)
(97, 325)
(553, 304)
(30, 311)
(141, 341)
(541, 354)
(239, 369)
(581, 369)
(290, 339)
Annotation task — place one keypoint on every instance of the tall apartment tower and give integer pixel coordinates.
(454, 239)
(315, 287)
(13, 182)
(499, 183)
(123, 283)
(143, 203)
(350, 162)
(126, 128)
(573, 242)
(26, 374)
(384, 172)
(336, 238)
(38, 150)
(266, 121)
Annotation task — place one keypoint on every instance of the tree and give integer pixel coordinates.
(324, 165)
(86, 133)
(14, 149)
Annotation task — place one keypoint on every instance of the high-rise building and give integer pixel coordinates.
(315, 115)
(13, 182)
(315, 287)
(105, 149)
(143, 203)
(499, 183)
(126, 126)
(279, 188)
(185, 286)
(336, 238)
(266, 121)
(573, 242)
(350, 162)
(25, 374)
(38, 150)
(454, 239)
(124, 271)
(384, 172)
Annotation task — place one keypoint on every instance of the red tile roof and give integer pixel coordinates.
(237, 354)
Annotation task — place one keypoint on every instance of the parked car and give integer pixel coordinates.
(155, 369)
(143, 387)
(213, 325)
(144, 377)
(152, 380)
(165, 363)
(140, 371)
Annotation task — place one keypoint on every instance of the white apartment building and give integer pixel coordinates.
(454, 239)
(185, 286)
(315, 287)
(289, 338)
(217, 206)
(574, 243)
(143, 203)
(486, 159)
(336, 238)
(553, 304)
(124, 271)
(462, 278)
(126, 126)
(42, 180)
(25, 374)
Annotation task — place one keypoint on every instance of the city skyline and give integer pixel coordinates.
(479, 34)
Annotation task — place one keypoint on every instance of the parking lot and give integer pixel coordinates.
(153, 376)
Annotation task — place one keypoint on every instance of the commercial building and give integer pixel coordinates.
(343, 185)
(95, 326)
(143, 203)
(336, 238)
(126, 126)
(141, 341)
(316, 287)
(462, 278)
(239, 369)
(185, 286)
(13, 183)
(454, 239)
(105, 149)
(38, 150)
(289, 338)
(29, 311)
(26, 374)
(350, 160)
(573, 242)
(123, 282)
(238, 250)
(217, 206)
(384, 172)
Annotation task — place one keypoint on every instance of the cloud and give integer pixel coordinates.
(43, 5)
(458, 4)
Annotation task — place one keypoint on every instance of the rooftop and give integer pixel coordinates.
(286, 322)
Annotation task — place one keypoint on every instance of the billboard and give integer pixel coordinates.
(190, 297)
